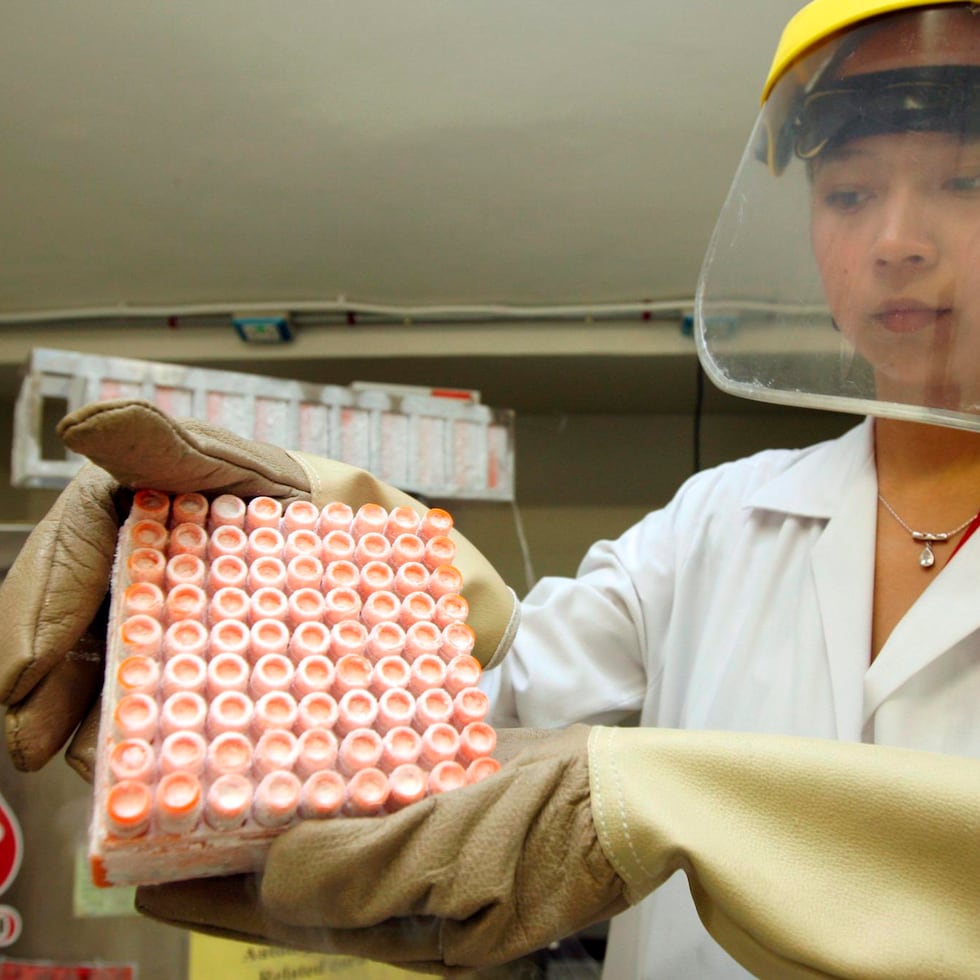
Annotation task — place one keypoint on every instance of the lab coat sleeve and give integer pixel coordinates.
(587, 648)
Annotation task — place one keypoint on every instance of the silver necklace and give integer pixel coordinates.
(928, 538)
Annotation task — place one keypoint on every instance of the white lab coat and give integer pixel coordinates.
(745, 605)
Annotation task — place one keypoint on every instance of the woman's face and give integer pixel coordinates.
(896, 235)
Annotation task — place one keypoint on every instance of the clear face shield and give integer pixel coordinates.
(844, 270)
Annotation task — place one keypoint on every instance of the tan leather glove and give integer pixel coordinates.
(53, 602)
(805, 858)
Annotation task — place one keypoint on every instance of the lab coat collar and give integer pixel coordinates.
(943, 616)
(815, 484)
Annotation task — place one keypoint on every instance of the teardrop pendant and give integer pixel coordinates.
(926, 557)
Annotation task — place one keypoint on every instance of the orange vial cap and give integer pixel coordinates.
(262, 512)
(188, 636)
(400, 745)
(356, 709)
(151, 505)
(300, 515)
(360, 749)
(230, 752)
(179, 802)
(146, 565)
(318, 709)
(184, 751)
(227, 510)
(135, 716)
(228, 802)
(190, 508)
(302, 543)
(229, 603)
(303, 572)
(267, 572)
(369, 518)
(128, 808)
(138, 674)
(322, 795)
(189, 539)
(444, 580)
(367, 792)
(481, 768)
(407, 785)
(141, 634)
(335, 516)
(445, 776)
(229, 636)
(276, 799)
(186, 601)
(132, 758)
(317, 751)
(227, 539)
(227, 571)
(143, 598)
(314, 673)
(340, 574)
(309, 640)
(148, 534)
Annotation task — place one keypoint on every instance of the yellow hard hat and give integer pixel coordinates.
(820, 19)
(793, 69)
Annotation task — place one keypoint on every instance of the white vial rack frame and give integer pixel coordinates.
(411, 437)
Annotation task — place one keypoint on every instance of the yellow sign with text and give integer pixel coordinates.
(210, 958)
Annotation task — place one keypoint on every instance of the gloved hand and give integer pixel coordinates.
(805, 858)
(54, 603)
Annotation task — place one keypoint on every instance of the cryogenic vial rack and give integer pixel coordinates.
(266, 665)
(438, 445)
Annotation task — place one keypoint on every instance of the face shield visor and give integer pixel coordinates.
(844, 270)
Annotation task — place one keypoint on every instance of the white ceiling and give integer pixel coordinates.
(384, 151)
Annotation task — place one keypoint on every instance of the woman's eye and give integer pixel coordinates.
(845, 199)
(965, 184)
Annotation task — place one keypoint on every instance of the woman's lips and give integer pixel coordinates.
(909, 317)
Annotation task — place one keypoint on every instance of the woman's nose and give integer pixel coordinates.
(905, 240)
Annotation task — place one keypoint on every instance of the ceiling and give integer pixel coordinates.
(232, 152)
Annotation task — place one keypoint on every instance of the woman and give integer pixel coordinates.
(811, 593)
